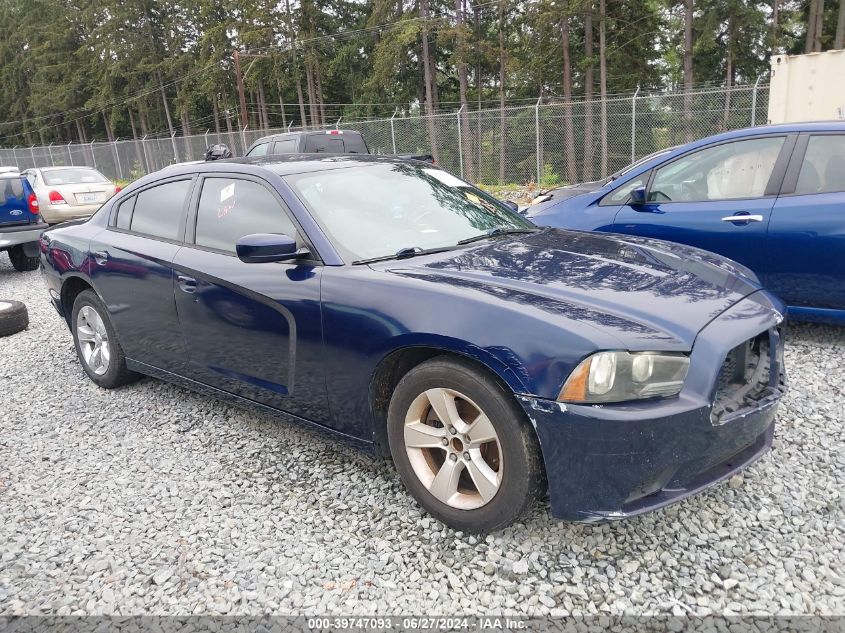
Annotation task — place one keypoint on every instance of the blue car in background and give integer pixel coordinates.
(404, 309)
(771, 198)
(20, 220)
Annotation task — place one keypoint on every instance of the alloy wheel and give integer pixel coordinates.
(93, 340)
(453, 448)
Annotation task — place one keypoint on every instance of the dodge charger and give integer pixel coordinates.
(409, 312)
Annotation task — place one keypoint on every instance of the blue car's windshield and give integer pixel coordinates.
(637, 163)
(374, 210)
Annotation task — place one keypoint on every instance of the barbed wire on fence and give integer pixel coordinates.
(551, 142)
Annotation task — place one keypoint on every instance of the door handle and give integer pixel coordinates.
(101, 257)
(187, 284)
(743, 218)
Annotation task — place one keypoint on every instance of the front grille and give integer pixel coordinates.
(750, 375)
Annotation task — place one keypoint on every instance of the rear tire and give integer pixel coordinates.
(13, 317)
(97, 347)
(478, 470)
(20, 261)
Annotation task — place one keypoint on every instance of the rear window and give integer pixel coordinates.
(324, 144)
(72, 176)
(11, 188)
(354, 144)
(158, 210)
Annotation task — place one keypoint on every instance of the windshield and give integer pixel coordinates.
(72, 176)
(641, 161)
(376, 210)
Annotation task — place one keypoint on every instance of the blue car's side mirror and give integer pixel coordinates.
(267, 247)
(513, 205)
(637, 197)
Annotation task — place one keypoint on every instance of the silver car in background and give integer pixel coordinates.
(69, 193)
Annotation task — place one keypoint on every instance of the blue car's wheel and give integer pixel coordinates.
(20, 261)
(462, 447)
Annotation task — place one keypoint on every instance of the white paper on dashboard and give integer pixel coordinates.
(446, 178)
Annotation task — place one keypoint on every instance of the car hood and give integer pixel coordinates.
(556, 196)
(638, 291)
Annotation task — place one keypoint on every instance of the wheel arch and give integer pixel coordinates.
(396, 364)
(72, 287)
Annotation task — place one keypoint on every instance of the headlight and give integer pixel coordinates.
(622, 376)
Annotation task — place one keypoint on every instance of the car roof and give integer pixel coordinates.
(61, 167)
(783, 128)
(283, 135)
(286, 164)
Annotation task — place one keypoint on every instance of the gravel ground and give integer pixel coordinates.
(156, 500)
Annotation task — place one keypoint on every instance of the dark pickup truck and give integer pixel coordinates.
(319, 142)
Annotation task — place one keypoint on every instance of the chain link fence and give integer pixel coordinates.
(551, 142)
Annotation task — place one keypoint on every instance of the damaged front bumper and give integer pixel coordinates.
(603, 463)
(612, 461)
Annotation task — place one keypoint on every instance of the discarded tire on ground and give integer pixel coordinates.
(13, 317)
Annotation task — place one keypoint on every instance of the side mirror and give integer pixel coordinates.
(513, 205)
(267, 247)
(637, 197)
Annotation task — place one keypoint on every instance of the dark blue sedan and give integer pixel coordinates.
(406, 310)
(771, 198)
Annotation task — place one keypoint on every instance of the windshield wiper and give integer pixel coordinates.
(404, 253)
(494, 232)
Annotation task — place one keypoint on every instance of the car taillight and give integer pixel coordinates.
(334, 132)
(56, 198)
(117, 189)
(32, 201)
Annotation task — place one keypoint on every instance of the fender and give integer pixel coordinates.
(500, 361)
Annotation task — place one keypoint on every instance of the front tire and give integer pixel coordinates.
(462, 446)
(20, 261)
(97, 347)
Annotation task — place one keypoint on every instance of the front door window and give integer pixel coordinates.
(727, 171)
(230, 208)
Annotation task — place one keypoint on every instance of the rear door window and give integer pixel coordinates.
(124, 213)
(285, 146)
(158, 210)
(823, 169)
(230, 208)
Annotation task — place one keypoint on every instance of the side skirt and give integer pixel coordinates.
(816, 315)
(214, 392)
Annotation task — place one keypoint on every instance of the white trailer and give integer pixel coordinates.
(807, 87)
